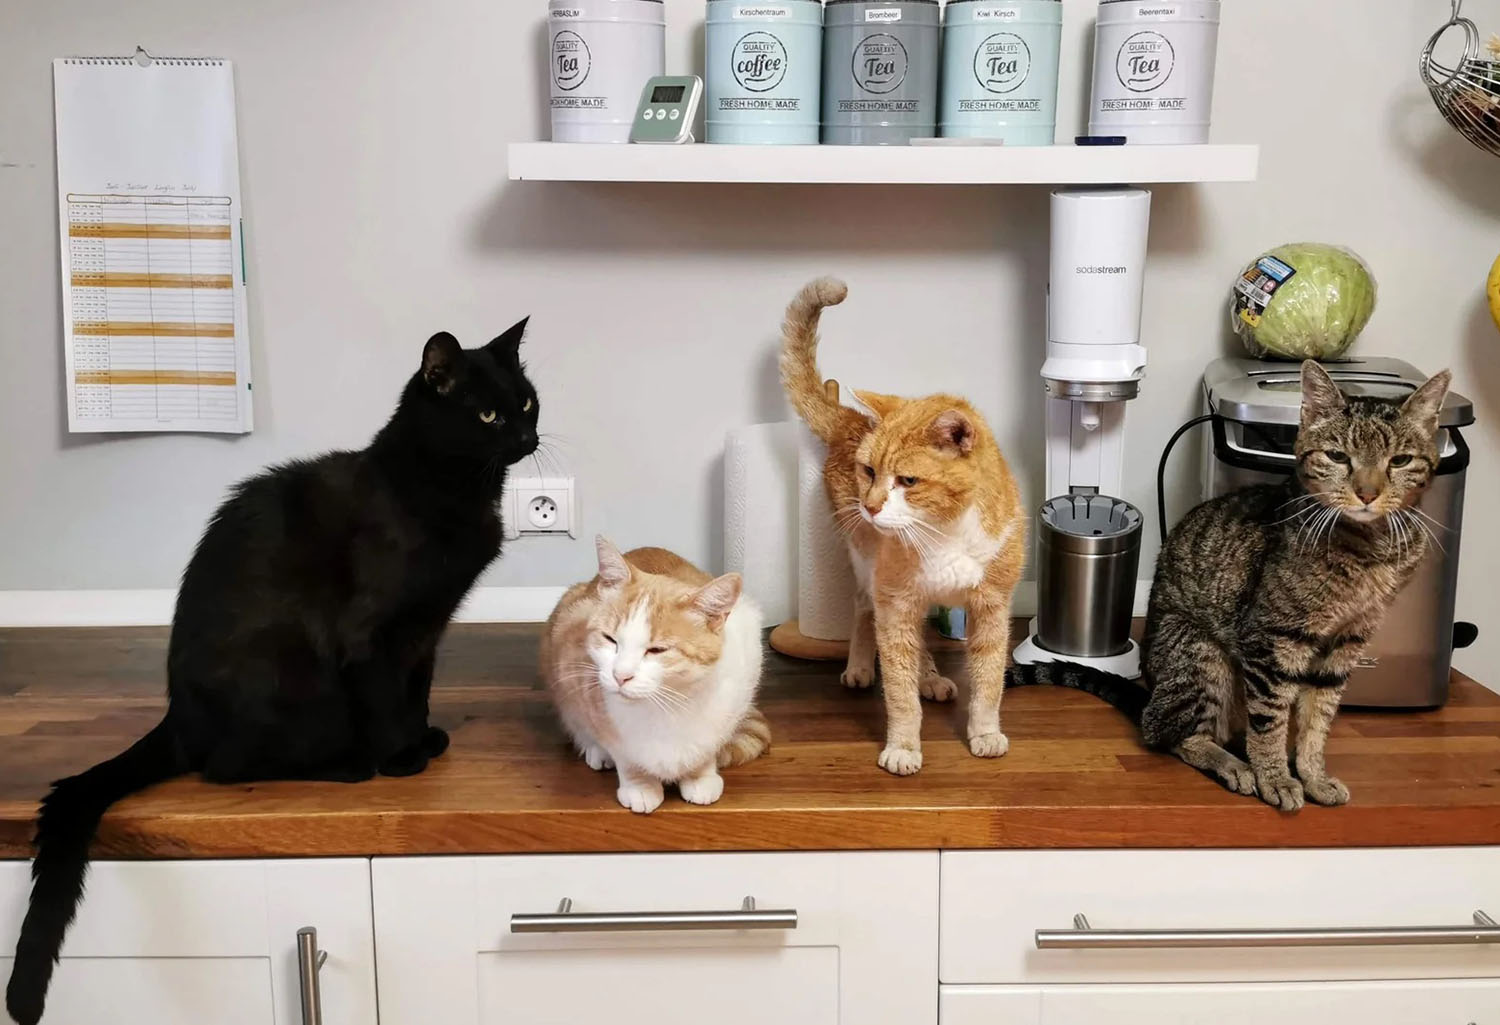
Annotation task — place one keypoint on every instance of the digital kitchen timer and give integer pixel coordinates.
(668, 105)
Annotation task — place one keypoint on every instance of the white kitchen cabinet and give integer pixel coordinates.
(994, 901)
(1412, 1002)
(864, 948)
(200, 942)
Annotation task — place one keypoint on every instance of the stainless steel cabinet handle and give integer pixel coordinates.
(1084, 937)
(566, 920)
(309, 960)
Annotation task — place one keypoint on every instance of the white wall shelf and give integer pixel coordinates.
(883, 165)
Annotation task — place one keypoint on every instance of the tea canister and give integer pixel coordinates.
(1000, 70)
(763, 71)
(880, 71)
(601, 52)
(1154, 70)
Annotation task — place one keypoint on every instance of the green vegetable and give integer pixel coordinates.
(1315, 312)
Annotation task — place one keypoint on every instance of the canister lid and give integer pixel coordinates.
(881, 3)
(1089, 524)
(1270, 391)
(955, 3)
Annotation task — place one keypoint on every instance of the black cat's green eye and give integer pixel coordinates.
(869, 472)
(489, 416)
(1400, 460)
(1337, 456)
(527, 407)
(907, 482)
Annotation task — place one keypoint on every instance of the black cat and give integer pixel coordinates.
(302, 644)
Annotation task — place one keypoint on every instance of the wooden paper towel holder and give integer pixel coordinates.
(788, 638)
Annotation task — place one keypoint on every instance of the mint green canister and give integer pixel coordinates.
(763, 64)
(1000, 70)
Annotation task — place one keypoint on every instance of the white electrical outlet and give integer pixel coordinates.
(540, 505)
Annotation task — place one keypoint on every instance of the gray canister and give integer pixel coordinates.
(880, 72)
(1088, 550)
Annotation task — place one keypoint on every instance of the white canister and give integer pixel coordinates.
(600, 54)
(1154, 70)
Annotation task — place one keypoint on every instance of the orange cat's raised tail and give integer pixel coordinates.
(827, 418)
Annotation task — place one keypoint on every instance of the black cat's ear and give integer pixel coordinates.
(1320, 396)
(1424, 404)
(440, 358)
(508, 343)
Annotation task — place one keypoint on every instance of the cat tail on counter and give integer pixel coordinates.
(69, 817)
(1126, 695)
(752, 738)
(799, 357)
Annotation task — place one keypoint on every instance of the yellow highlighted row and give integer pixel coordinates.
(121, 279)
(84, 229)
(210, 377)
(157, 329)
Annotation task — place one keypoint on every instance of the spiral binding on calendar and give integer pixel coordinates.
(141, 58)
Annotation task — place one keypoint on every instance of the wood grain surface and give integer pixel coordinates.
(1076, 775)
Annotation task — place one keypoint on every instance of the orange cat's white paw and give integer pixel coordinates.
(641, 798)
(858, 677)
(900, 761)
(703, 789)
(989, 745)
(597, 758)
(938, 688)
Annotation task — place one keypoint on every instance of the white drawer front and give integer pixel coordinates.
(1459, 1002)
(993, 902)
(864, 948)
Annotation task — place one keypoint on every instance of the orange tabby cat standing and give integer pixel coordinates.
(932, 516)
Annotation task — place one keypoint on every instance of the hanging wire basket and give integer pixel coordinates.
(1468, 94)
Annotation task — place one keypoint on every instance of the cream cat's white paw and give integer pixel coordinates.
(641, 798)
(597, 758)
(705, 789)
(989, 745)
(900, 761)
(937, 688)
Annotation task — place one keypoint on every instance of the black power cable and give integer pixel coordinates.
(1161, 468)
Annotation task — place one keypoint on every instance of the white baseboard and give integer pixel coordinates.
(484, 605)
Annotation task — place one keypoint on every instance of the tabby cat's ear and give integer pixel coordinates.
(954, 432)
(613, 569)
(1320, 396)
(440, 359)
(510, 341)
(715, 599)
(1423, 404)
(881, 405)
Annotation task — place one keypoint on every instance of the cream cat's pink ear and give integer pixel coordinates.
(715, 599)
(614, 571)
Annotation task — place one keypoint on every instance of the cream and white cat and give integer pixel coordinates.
(653, 666)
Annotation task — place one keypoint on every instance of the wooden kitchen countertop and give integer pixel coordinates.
(1076, 775)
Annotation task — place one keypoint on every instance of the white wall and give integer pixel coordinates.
(372, 141)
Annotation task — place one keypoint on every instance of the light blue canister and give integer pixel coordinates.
(1000, 70)
(763, 71)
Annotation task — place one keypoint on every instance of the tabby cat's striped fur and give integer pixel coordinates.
(1264, 598)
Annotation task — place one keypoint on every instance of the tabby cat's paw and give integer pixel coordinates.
(702, 790)
(641, 798)
(1238, 778)
(858, 677)
(1279, 791)
(989, 745)
(938, 688)
(900, 761)
(597, 758)
(434, 742)
(1326, 790)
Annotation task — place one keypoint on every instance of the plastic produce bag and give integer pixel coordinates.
(1305, 300)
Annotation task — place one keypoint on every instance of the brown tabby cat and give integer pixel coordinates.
(1263, 598)
(932, 515)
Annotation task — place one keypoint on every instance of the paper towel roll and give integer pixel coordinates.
(760, 514)
(825, 581)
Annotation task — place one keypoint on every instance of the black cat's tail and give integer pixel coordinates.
(1126, 695)
(65, 827)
